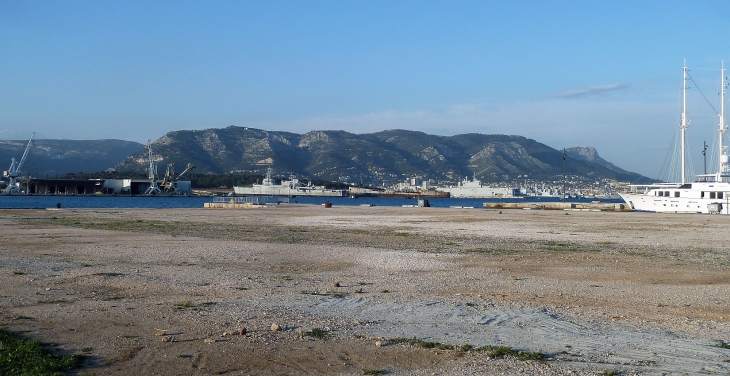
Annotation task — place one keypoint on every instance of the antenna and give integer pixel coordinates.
(704, 155)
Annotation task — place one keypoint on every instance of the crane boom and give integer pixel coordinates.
(25, 154)
(14, 170)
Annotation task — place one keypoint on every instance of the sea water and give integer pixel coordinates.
(161, 202)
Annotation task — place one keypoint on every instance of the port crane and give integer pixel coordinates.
(153, 189)
(169, 182)
(168, 185)
(13, 172)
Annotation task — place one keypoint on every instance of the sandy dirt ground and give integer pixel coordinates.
(168, 291)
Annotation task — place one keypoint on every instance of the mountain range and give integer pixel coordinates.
(50, 158)
(373, 158)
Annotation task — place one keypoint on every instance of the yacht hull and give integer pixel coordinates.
(702, 198)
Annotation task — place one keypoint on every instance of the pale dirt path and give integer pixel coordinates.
(597, 291)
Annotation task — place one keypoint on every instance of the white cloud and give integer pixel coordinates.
(589, 91)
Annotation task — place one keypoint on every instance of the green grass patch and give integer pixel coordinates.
(492, 351)
(609, 373)
(18, 272)
(373, 371)
(723, 345)
(23, 356)
(333, 294)
(183, 305)
(492, 251)
(196, 307)
(318, 333)
(504, 351)
(421, 343)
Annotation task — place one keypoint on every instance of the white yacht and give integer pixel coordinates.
(709, 194)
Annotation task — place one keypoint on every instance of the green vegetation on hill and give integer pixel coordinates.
(237, 155)
(374, 158)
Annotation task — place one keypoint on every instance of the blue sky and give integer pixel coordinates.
(565, 73)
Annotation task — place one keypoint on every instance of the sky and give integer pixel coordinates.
(606, 74)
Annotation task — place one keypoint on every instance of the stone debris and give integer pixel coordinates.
(275, 328)
(168, 339)
(209, 340)
(160, 332)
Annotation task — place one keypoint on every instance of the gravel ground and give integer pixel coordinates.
(594, 292)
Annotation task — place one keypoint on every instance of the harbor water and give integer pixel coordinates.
(81, 202)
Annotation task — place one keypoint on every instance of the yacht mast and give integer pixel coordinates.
(723, 161)
(684, 125)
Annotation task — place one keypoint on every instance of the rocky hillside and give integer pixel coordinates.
(372, 158)
(54, 157)
(589, 153)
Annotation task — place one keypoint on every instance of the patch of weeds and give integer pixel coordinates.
(183, 305)
(130, 337)
(23, 356)
(359, 336)
(465, 348)
(241, 288)
(18, 272)
(723, 345)
(359, 291)
(87, 350)
(364, 283)
(21, 317)
(85, 265)
(196, 307)
(296, 229)
(184, 356)
(318, 333)
(368, 371)
(421, 343)
(401, 234)
(333, 294)
(470, 304)
(492, 251)
(448, 243)
(384, 291)
(504, 351)
(609, 373)
(561, 247)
